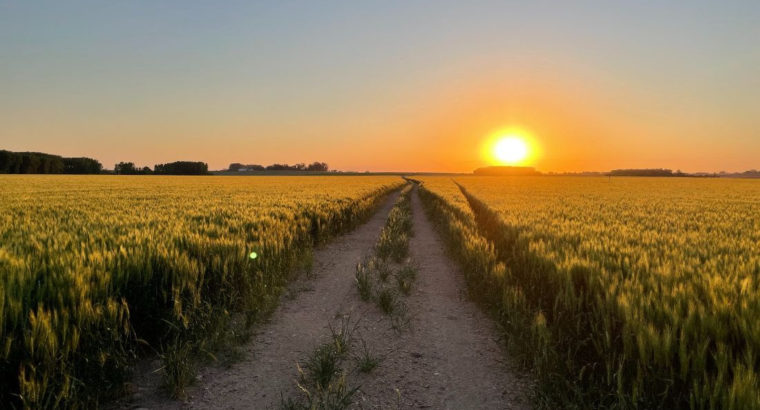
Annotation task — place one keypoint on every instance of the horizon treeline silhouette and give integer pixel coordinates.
(653, 172)
(314, 167)
(41, 163)
(170, 168)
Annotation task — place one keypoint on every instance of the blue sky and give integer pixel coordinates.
(371, 85)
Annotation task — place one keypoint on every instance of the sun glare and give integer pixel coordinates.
(510, 150)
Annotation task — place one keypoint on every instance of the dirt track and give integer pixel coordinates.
(450, 356)
(446, 357)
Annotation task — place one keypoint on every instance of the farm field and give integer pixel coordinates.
(621, 292)
(380, 322)
(611, 292)
(95, 269)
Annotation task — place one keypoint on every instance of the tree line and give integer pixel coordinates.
(40, 163)
(314, 167)
(659, 172)
(171, 168)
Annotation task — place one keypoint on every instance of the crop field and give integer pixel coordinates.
(621, 292)
(96, 269)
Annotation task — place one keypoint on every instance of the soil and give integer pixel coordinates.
(450, 355)
(443, 354)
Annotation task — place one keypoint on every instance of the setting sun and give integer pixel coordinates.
(513, 146)
(511, 150)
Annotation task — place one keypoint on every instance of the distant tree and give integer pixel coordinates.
(643, 172)
(40, 163)
(182, 168)
(30, 164)
(51, 165)
(129, 168)
(125, 168)
(235, 166)
(278, 167)
(317, 166)
(81, 166)
(5, 161)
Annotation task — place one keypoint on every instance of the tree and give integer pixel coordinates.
(30, 164)
(182, 168)
(278, 167)
(81, 166)
(125, 168)
(317, 166)
(642, 172)
(314, 167)
(40, 163)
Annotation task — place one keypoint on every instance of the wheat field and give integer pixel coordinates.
(619, 292)
(95, 269)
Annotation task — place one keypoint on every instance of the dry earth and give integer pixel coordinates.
(446, 356)
(449, 356)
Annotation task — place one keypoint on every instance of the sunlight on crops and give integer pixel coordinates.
(640, 292)
(90, 265)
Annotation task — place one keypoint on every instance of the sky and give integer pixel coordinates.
(384, 85)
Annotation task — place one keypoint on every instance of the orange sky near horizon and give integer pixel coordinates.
(440, 127)
(366, 87)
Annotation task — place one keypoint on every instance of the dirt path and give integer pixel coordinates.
(450, 356)
(268, 367)
(447, 356)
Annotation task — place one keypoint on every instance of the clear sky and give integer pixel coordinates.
(385, 85)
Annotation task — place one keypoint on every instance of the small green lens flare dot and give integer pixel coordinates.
(253, 255)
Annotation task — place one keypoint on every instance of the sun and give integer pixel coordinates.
(510, 146)
(511, 150)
